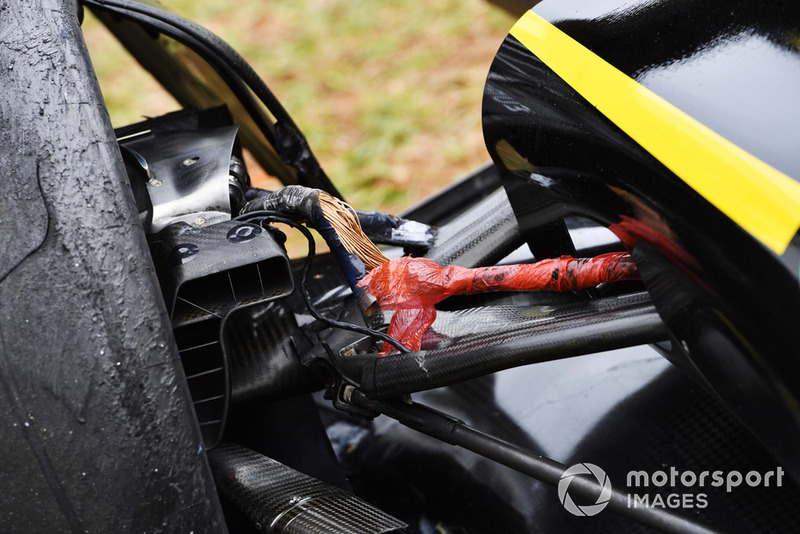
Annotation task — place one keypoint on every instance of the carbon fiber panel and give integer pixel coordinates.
(480, 236)
(279, 499)
(486, 340)
(206, 275)
(206, 271)
(263, 363)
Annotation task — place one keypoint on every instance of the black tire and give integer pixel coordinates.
(98, 433)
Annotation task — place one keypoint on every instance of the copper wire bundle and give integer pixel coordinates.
(344, 220)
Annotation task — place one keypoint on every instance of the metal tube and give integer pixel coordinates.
(451, 430)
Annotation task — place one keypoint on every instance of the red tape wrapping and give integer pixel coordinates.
(412, 286)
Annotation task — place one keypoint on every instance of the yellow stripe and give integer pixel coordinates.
(761, 199)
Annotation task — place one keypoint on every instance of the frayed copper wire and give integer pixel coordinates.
(344, 220)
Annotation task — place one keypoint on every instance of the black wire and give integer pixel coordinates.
(260, 213)
(233, 69)
(210, 40)
(228, 75)
(226, 55)
(270, 216)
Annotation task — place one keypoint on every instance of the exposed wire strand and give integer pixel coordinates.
(344, 220)
(270, 216)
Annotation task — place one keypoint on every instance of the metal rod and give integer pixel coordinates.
(451, 430)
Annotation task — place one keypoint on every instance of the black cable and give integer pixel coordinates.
(228, 75)
(455, 432)
(268, 216)
(291, 140)
(260, 214)
(210, 40)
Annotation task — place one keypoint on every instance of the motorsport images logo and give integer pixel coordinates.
(588, 509)
(677, 483)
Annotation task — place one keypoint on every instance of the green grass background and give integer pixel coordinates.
(388, 93)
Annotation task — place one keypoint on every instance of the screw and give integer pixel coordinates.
(200, 221)
(189, 161)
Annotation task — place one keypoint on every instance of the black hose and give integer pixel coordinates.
(209, 39)
(453, 431)
(291, 144)
(228, 75)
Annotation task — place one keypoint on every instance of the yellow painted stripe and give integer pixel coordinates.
(759, 198)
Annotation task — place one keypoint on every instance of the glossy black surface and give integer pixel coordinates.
(732, 305)
(621, 410)
(731, 64)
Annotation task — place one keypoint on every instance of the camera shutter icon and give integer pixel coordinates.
(588, 509)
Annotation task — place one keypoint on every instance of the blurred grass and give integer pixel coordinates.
(387, 93)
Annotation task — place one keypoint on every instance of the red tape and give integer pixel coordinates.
(413, 286)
